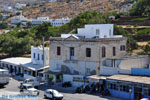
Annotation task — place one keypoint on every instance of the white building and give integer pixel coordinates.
(97, 31)
(54, 22)
(37, 56)
(5, 16)
(7, 9)
(19, 19)
(52, 0)
(19, 6)
(81, 54)
(17, 12)
(28, 67)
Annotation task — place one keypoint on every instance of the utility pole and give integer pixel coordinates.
(43, 61)
(43, 54)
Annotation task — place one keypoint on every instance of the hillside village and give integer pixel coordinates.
(75, 50)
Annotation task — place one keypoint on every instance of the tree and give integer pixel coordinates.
(1, 17)
(142, 7)
(29, 24)
(42, 30)
(146, 49)
(18, 24)
(130, 42)
(3, 25)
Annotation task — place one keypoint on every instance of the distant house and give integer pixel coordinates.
(19, 6)
(52, 0)
(7, 9)
(19, 19)
(54, 22)
(5, 16)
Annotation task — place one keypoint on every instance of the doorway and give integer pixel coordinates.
(137, 92)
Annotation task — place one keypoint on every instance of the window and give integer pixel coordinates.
(147, 90)
(103, 52)
(42, 57)
(87, 71)
(97, 32)
(38, 56)
(109, 32)
(114, 51)
(112, 85)
(122, 48)
(58, 51)
(71, 53)
(88, 52)
(34, 55)
(124, 88)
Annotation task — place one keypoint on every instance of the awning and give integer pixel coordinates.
(97, 77)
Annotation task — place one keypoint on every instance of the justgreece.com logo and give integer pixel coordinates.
(19, 96)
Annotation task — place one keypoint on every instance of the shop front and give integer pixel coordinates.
(129, 87)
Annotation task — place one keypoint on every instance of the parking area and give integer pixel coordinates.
(11, 92)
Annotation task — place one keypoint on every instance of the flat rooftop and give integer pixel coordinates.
(17, 60)
(130, 78)
(25, 62)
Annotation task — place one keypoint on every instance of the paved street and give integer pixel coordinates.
(11, 91)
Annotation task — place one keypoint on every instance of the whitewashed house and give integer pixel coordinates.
(82, 53)
(19, 5)
(28, 67)
(7, 9)
(97, 31)
(37, 56)
(52, 0)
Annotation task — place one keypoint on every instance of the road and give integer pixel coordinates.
(11, 92)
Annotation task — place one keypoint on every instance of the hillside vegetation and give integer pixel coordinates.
(141, 8)
(18, 41)
(72, 8)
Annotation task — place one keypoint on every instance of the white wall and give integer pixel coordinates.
(39, 50)
(79, 66)
(67, 78)
(54, 22)
(18, 19)
(7, 9)
(52, 0)
(104, 70)
(125, 66)
(135, 62)
(105, 30)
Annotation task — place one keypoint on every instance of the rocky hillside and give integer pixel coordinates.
(66, 8)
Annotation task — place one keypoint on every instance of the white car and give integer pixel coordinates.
(53, 94)
(144, 99)
(28, 89)
(34, 82)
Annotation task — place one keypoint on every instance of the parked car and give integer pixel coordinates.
(144, 99)
(35, 83)
(53, 94)
(28, 89)
(4, 77)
